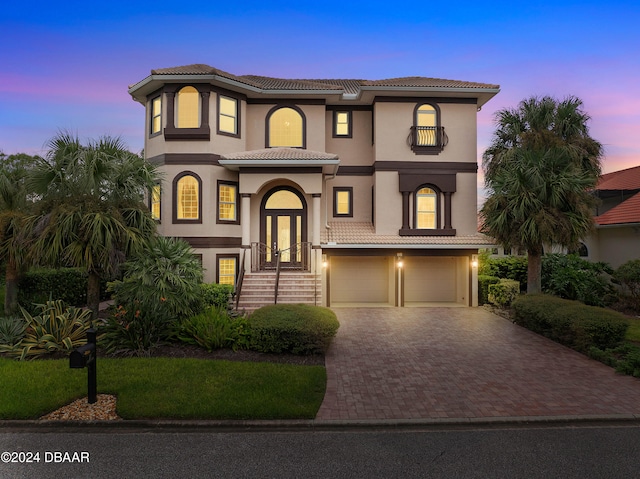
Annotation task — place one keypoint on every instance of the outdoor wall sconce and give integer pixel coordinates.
(325, 263)
(474, 260)
(399, 262)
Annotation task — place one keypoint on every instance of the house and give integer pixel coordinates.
(616, 239)
(367, 187)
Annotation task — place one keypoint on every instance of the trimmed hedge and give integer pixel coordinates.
(571, 323)
(293, 328)
(216, 295)
(484, 281)
(504, 292)
(37, 286)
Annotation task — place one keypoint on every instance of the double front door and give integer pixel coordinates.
(283, 228)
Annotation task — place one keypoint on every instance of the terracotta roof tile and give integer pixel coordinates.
(626, 212)
(628, 179)
(351, 233)
(280, 154)
(348, 86)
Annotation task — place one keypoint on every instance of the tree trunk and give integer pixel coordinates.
(93, 293)
(11, 290)
(534, 272)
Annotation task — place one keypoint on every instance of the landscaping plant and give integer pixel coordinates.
(213, 329)
(628, 275)
(294, 328)
(161, 285)
(56, 328)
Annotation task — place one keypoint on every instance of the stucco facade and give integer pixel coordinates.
(368, 185)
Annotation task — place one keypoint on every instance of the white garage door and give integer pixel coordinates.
(359, 279)
(430, 279)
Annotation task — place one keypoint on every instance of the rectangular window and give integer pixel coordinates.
(227, 115)
(226, 270)
(155, 202)
(156, 115)
(342, 124)
(227, 202)
(343, 201)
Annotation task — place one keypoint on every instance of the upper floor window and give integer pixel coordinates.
(156, 115)
(187, 198)
(188, 108)
(227, 202)
(342, 124)
(228, 115)
(343, 201)
(286, 128)
(426, 208)
(427, 135)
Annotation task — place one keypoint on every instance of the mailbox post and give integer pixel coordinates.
(85, 356)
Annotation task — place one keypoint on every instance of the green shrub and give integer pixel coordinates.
(214, 329)
(483, 287)
(576, 325)
(56, 328)
(216, 295)
(571, 277)
(12, 330)
(294, 328)
(504, 292)
(628, 275)
(508, 267)
(39, 285)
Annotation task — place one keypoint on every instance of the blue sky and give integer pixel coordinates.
(67, 64)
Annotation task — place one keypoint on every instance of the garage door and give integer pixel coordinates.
(429, 279)
(359, 279)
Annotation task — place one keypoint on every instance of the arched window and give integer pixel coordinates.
(427, 135)
(188, 108)
(187, 190)
(286, 128)
(426, 209)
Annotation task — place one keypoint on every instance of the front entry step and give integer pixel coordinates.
(258, 289)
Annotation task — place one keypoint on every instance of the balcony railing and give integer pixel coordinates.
(427, 139)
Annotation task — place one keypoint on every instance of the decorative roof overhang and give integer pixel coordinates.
(281, 158)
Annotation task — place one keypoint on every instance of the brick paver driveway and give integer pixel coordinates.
(422, 363)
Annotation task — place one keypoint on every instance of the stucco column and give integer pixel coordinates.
(245, 212)
(447, 210)
(315, 240)
(405, 210)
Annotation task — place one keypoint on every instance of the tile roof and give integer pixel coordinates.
(348, 86)
(628, 179)
(351, 233)
(626, 212)
(280, 154)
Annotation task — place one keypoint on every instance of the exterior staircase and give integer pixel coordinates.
(293, 288)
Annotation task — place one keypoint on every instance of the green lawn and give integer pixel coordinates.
(167, 388)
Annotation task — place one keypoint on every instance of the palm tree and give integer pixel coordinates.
(92, 213)
(539, 169)
(13, 214)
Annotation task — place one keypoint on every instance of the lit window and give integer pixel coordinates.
(342, 124)
(156, 115)
(188, 108)
(228, 115)
(426, 122)
(343, 201)
(286, 128)
(227, 271)
(155, 202)
(227, 202)
(188, 198)
(426, 208)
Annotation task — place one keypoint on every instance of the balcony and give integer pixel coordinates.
(427, 140)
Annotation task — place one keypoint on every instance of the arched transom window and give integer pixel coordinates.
(286, 128)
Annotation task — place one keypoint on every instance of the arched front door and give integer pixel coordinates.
(283, 228)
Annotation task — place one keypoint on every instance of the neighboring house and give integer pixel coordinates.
(367, 186)
(617, 236)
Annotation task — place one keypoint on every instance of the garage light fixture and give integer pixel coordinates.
(474, 260)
